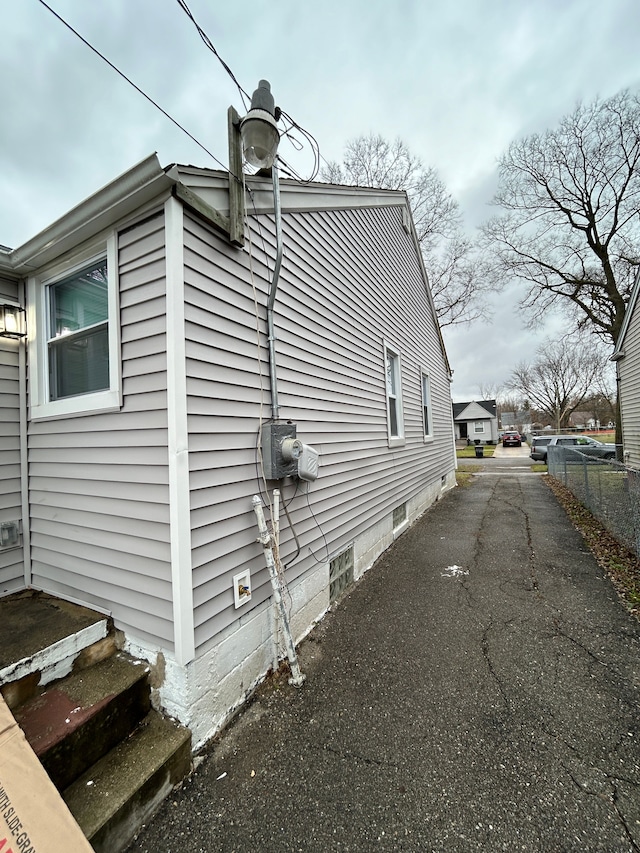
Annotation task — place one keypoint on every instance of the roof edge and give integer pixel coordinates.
(113, 201)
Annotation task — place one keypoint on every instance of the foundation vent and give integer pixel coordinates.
(399, 516)
(340, 573)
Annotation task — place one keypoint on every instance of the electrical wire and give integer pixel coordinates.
(207, 41)
(131, 83)
(284, 117)
(324, 538)
(310, 139)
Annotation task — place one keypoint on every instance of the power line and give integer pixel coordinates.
(131, 83)
(207, 41)
(310, 139)
(243, 94)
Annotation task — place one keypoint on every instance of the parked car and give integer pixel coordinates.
(583, 443)
(539, 447)
(511, 439)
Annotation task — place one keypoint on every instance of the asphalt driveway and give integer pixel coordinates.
(476, 690)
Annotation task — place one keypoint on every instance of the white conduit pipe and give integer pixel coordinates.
(297, 678)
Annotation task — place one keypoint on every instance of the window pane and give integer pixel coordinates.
(393, 417)
(79, 301)
(79, 364)
(391, 373)
(426, 403)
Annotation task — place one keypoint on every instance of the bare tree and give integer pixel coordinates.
(564, 374)
(489, 390)
(455, 274)
(571, 227)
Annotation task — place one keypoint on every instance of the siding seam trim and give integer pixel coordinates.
(25, 496)
(178, 437)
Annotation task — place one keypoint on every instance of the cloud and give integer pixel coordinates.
(456, 81)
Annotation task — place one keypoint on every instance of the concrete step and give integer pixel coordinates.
(43, 638)
(73, 722)
(112, 799)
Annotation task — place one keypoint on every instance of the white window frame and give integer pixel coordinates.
(109, 399)
(425, 394)
(390, 351)
(478, 426)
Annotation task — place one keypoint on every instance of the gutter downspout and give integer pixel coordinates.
(273, 376)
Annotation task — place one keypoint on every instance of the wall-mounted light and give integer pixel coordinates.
(259, 130)
(12, 321)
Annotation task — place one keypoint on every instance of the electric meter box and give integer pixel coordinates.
(277, 464)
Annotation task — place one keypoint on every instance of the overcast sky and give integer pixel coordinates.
(457, 80)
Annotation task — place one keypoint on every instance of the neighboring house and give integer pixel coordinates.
(130, 467)
(582, 420)
(627, 358)
(476, 421)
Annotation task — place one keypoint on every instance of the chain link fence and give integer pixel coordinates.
(610, 490)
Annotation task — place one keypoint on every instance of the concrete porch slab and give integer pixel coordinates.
(43, 634)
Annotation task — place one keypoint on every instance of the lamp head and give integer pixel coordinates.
(259, 130)
(12, 321)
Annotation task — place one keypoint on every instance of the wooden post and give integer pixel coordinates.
(236, 180)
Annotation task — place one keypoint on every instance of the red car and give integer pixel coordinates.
(511, 439)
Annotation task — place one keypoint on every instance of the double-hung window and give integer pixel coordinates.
(395, 417)
(78, 333)
(427, 417)
(75, 346)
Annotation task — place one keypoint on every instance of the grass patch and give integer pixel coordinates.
(469, 452)
(464, 474)
(620, 564)
(605, 437)
(463, 478)
(539, 468)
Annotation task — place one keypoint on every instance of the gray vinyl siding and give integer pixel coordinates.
(99, 483)
(629, 368)
(11, 559)
(350, 279)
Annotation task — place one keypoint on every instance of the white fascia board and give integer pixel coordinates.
(213, 187)
(119, 198)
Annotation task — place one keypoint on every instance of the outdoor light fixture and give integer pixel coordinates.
(259, 130)
(12, 321)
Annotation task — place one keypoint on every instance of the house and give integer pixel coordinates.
(627, 358)
(135, 410)
(582, 420)
(476, 421)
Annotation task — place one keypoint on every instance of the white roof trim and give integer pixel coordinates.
(118, 198)
(295, 197)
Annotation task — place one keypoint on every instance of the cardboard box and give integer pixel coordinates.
(33, 816)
